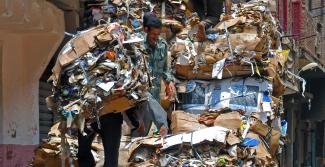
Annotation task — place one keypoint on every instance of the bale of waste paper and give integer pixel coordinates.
(101, 70)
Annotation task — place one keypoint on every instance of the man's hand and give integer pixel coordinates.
(171, 92)
(163, 131)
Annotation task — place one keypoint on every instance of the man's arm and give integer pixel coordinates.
(169, 78)
(156, 113)
(167, 72)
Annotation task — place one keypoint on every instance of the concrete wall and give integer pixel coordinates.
(30, 32)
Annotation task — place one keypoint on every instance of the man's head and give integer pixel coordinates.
(145, 20)
(152, 26)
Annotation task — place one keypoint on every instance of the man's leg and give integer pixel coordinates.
(159, 115)
(150, 111)
(110, 131)
(132, 116)
(198, 7)
(85, 157)
(144, 118)
(214, 10)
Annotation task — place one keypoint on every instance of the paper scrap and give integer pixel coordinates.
(215, 133)
(218, 68)
(133, 40)
(106, 86)
(266, 106)
(135, 96)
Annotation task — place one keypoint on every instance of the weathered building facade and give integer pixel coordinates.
(30, 33)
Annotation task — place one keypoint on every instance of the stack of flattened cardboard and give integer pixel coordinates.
(230, 86)
(227, 140)
(246, 44)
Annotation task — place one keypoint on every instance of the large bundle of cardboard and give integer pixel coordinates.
(230, 88)
(99, 71)
(248, 44)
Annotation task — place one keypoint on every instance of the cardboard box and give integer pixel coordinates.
(232, 139)
(261, 150)
(205, 72)
(229, 23)
(269, 133)
(117, 104)
(185, 122)
(229, 120)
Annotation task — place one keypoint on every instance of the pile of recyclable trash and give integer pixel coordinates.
(229, 86)
(230, 89)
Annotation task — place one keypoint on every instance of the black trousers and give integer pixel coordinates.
(208, 12)
(110, 132)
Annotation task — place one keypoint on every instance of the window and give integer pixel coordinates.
(283, 14)
(296, 17)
